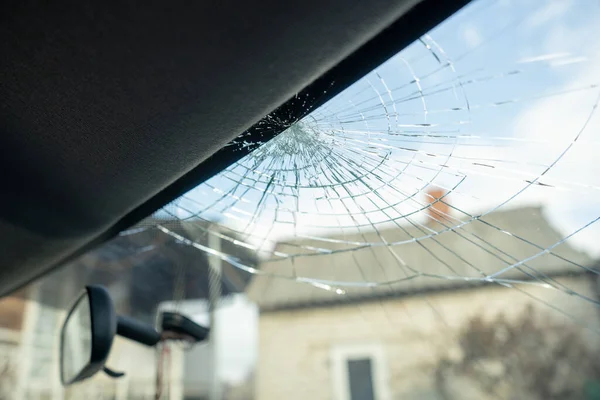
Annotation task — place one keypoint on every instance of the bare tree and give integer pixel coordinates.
(532, 357)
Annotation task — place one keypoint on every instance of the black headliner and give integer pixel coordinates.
(104, 105)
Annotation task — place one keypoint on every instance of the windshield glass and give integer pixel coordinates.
(429, 233)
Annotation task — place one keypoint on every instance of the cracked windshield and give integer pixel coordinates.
(429, 233)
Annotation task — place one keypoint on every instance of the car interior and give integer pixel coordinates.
(315, 184)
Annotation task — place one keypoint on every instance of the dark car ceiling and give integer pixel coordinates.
(106, 104)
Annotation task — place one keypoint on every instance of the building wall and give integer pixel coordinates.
(139, 363)
(12, 309)
(9, 354)
(297, 348)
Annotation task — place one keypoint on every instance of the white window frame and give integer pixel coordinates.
(341, 354)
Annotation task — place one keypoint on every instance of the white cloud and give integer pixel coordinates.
(562, 132)
(472, 36)
(547, 14)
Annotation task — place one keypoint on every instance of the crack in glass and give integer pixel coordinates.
(463, 167)
(365, 164)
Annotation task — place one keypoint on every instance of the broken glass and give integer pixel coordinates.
(442, 211)
(467, 159)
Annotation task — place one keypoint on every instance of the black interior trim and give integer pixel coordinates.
(408, 28)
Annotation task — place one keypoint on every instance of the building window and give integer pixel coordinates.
(359, 373)
(360, 379)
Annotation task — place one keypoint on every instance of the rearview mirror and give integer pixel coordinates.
(91, 325)
(87, 335)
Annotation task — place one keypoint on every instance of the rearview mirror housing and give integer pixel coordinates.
(87, 335)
